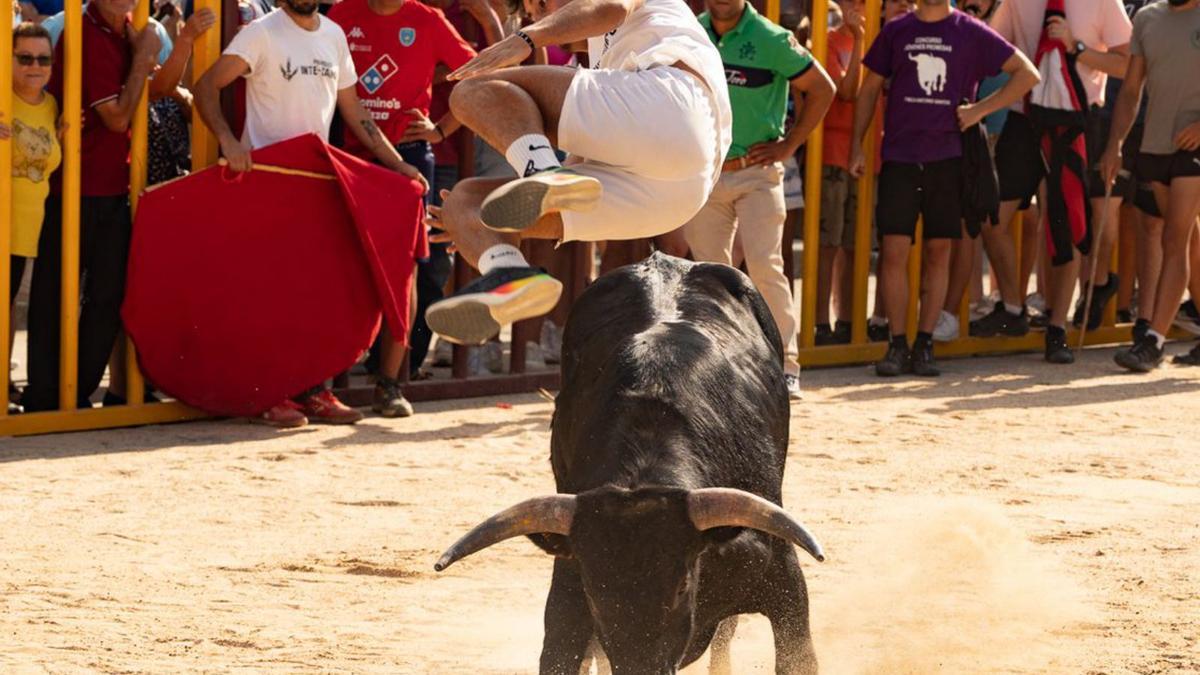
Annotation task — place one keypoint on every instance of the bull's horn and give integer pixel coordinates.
(551, 514)
(727, 507)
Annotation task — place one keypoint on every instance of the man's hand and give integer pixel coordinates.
(1110, 164)
(420, 128)
(409, 170)
(969, 115)
(856, 23)
(769, 152)
(510, 51)
(236, 154)
(858, 162)
(146, 46)
(1189, 137)
(1059, 30)
(196, 26)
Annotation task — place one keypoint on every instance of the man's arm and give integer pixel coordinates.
(1113, 62)
(1022, 77)
(168, 76)
(847, 87)
(864, 110)
(1124, 113)
(487, 18)
(208, 103)
(363, 126)
(117, 113)
(813, 92)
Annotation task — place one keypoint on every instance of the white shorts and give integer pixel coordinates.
(652, 138)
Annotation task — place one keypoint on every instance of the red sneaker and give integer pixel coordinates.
(325, 408)
(286, 415)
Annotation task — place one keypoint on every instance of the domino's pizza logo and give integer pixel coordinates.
(381, 71)
(408, 36)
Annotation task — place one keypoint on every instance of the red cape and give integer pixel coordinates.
(244, 290)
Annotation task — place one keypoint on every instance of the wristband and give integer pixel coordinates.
(441, 134)
(528, 40)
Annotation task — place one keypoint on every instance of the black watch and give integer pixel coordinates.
(1080, 47)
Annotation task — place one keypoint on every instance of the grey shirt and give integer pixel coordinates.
(1170, 43)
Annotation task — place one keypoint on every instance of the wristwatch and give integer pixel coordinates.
(1080, 47)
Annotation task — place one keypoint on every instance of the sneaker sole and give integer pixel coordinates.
(278, 425)
(474, 319)
(391, 414)
(515, 206)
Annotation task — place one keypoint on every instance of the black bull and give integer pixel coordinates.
(668, 447)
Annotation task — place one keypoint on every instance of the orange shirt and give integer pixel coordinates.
(839, 121)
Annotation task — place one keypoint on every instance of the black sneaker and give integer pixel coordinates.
(1124, 316)
(878, 332)
(897, 361)
(516, 205)
(922, 361)
(1144, 356)
(1057, 350)
(823, 335)
(481, 308)
(1100, 298)
(1191, 358)
(841, 332)
(389, 400)
(1140, 328)
(1000, 322)
(1041, 321)
(111, 399)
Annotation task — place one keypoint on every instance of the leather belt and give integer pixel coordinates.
(736, 164)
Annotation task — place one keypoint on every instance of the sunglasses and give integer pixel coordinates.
(30, 59)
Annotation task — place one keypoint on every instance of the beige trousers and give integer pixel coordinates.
(750, 203)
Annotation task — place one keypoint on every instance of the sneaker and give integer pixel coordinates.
(1000, 322)
(286, 415)
(1057, 350)
(878, 332)
(1191, 358)
(946, 329)
(1140, 328)
(923, 363)
(443, 354)
(1144, 356)
(1188, 317)
(841, 332)
(389, 400)
(1101, 295)
(1124, 316)
(111, 399)
(1036, 303)
(516, 205)
(325, 408)
(897, 361)
(823, 335)
(550, 343)
(793, 386)
(1041, 321)
(478, 311)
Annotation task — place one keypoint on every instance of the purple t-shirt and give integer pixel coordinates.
(933, 66)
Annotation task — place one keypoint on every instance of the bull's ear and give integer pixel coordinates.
(555, 544)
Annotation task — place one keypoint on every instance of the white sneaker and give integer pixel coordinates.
(1036, 303)
(946, 329)
(551, 343)
(793, 386)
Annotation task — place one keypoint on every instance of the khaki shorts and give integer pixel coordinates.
(839, 207)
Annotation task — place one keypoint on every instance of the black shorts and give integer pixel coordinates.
(1164, 168)
(1019, 162)
(931, 191)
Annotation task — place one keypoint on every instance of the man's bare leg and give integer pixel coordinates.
(1149, 262)
(998, 243)
(1183, 202)
(962, 264)
(1031, 228)
(825, 258)
(531, 98)
(1107, 240)
(893, 270)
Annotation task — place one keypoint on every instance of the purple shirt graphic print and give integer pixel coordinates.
(933, 67)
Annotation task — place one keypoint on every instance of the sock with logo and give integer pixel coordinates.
(501, 255)
(530, 154)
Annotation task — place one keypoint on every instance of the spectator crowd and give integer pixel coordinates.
(1076, 121)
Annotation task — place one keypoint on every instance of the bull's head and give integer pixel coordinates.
(637, 553)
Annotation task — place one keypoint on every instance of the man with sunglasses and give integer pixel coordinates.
(117, 60)
(648, 126)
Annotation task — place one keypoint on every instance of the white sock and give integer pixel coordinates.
(1158, 338)
(531, 153)
(877, 321)
(501, 255)
(1013, 309)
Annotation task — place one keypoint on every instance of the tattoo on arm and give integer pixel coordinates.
(372, 129)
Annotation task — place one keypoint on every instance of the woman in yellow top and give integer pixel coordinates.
(35, 148)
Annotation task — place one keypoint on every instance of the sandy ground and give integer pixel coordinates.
(1010, 517)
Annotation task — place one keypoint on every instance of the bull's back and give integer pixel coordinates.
(674, 363)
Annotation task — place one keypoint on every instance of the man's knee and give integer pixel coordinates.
(464, 93)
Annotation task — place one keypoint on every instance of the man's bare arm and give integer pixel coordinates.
(208, 103)
(117, 113)
(864, 110)
(363, 126)
(580, 20)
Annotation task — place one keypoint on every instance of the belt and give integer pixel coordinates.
(736, 164)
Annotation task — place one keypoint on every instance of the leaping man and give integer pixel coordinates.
(647, 128)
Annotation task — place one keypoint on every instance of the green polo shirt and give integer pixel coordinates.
(761, 59)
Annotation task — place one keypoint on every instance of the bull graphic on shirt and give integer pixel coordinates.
(931, 72)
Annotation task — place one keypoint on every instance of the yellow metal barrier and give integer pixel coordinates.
(6, 114)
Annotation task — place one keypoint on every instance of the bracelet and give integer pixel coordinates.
(441, 134)
(528, 40)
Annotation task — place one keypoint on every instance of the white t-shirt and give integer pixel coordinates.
(295, 75)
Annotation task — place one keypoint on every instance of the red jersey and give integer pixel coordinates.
(395, 56)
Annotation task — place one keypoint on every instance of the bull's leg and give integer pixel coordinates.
(785, 603)
(596, 653)
(567, 621)
(719, 661)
